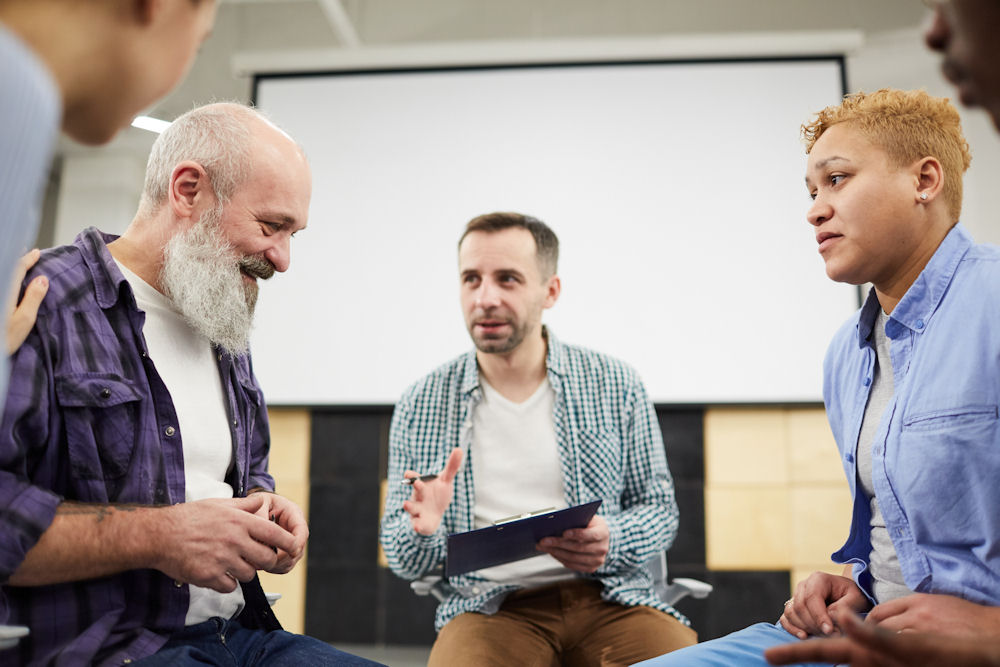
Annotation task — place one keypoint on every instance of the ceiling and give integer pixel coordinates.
(303, 34)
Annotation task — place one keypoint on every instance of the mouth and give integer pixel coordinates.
(826, 240)
(489, 326)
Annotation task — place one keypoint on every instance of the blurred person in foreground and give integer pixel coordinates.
(88, 67)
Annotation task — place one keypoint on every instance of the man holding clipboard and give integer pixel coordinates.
(521, 423)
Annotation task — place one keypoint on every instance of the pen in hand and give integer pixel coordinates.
(422, 478)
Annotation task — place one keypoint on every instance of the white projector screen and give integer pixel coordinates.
(676, 190)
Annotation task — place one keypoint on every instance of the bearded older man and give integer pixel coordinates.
(135, 438)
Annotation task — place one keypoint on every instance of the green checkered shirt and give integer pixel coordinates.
(610, 446)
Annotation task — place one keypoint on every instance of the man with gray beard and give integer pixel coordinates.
(201, 275)
(135, 433)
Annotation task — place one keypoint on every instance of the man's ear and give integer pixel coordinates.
(190, 190)
(553, 287)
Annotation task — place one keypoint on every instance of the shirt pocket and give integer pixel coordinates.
(985, 414)
(944, 470)
(101, 416)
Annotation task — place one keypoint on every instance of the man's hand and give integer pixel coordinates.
(868, 645)
(580, 549)
(808, 612)
(430, 499)
(941, 614)
(287, 515)
(215, 542)
(21, 316)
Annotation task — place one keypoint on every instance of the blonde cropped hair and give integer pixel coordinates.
(908, 125)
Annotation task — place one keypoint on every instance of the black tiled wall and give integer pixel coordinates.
(350, 599)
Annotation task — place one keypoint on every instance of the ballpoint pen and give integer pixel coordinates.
(422, 478)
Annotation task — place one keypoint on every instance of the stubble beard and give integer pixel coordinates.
(499, 345)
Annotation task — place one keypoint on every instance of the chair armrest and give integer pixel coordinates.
(11, 634)
(682, 587)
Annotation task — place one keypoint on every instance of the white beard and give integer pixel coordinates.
(201, 276)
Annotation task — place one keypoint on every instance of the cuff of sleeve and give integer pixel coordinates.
(261, 484)
(427, 541)
(28, 514)
(616, 537)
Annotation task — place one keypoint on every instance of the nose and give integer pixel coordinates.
(488, 294)
(819, 212)
(279, 254)
(937, 32)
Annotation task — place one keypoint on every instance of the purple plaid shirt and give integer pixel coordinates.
(88, 418)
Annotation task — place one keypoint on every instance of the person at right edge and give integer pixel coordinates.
(910, 383)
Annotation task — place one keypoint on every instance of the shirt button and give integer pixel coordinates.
(177, 583)
(867, 381)
(235, 422)
(919, 324)
(475, 590)
(105, 393)
(169, 431)
(127, 661)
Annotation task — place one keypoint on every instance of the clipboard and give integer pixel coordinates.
(511, 540)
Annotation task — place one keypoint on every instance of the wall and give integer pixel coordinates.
(760, 491)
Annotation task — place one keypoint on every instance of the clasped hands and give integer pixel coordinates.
(217, 542)
(580, 549)
(917, 629)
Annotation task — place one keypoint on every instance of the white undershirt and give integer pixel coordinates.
(185, 361)
(516, 468)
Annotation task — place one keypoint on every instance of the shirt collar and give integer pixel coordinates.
(108, 279)
(555, 362)
(915, 310)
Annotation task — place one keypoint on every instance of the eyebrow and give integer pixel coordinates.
(282, 219)
(476, 272)
(824, 163)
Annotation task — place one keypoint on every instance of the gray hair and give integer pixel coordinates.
(216, 136)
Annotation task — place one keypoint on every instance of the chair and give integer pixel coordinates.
(434, 584)
(10, 635)
(679, 588)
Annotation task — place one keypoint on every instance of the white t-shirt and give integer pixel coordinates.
(186, 362)
(517, 468)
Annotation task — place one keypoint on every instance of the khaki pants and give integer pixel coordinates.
(562, 624)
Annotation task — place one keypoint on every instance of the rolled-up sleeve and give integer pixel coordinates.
(410, 554)
(26, 510)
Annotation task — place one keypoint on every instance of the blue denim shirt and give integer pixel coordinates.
(89, 419)
(936, 455)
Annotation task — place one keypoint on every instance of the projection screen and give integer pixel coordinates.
(676, 189)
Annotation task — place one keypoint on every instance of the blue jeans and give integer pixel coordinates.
(744, 648)
(225, 642)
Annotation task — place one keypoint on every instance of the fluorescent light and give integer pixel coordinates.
(150, 123)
